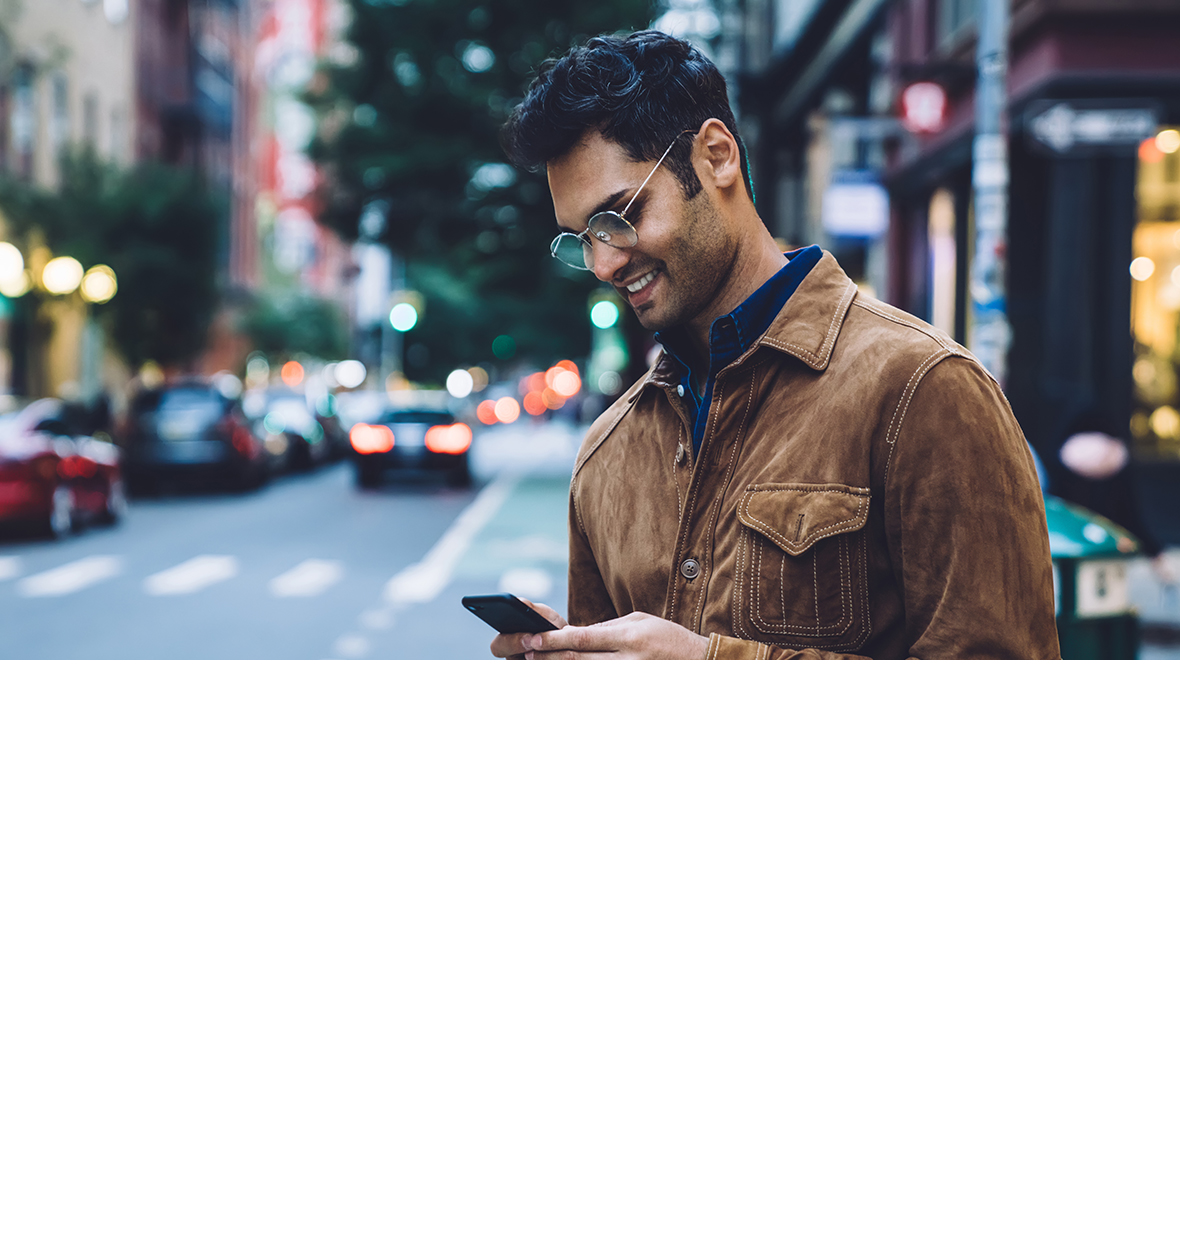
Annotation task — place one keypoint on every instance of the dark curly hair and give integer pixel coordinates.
(639, 91)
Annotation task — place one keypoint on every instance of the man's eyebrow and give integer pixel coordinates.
(606, 204)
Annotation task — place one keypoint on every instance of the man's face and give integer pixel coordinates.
(674, 275)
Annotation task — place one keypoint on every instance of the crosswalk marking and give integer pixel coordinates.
(192, 575)
(68, 578)
(307, 579)
(9, 566)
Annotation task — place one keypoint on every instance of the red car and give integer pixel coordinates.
(54, 474)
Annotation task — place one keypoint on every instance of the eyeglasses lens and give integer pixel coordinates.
(607, 227)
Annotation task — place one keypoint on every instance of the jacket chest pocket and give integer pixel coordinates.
(801, 566)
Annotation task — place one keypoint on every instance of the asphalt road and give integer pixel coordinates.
(307, 568)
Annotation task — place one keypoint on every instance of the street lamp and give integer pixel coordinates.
(61, 275)
(99, 285)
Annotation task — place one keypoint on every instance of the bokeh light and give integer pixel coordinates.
(534, 403)
(460, 383)
(367, 439)
(452, 439)
(61, 275)
(604, 313)
(486, 412)
(99, 284)
(350, 373)
(12, 263)
(292, 373)
(403, 317)
(1168, 141)
(1142, 268)
(479, 378)
(507, 409)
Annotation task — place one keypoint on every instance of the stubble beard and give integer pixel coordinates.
(695, 271)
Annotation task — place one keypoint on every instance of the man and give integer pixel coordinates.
(805, 472)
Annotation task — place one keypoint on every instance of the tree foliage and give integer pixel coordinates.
(298, 325)
(159, 228)
(408, 138)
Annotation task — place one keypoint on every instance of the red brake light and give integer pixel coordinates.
(367, 439)
(451, 439)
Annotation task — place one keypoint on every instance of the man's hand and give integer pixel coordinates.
(511, 645)
(637, 636)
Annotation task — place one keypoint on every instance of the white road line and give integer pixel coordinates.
(192, 575)
(9, 566)
(306, 579)
(69, 578)
(425, 580)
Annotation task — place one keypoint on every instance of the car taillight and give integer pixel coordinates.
(368, 439)
(451, 439)
(46, 467)
(76, 467)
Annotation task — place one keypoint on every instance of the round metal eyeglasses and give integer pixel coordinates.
(610, 227)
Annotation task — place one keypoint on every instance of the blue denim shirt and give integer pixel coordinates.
(732, 334)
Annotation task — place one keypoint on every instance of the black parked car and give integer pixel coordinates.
(411, 440)
(192, 430)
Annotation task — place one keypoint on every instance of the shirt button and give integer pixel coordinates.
(690, 570)
(680, 389)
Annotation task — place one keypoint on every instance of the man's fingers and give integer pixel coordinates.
(594, 637)
(509, 645)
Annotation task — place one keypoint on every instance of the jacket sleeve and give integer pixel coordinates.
(589, 602)
(964, 525)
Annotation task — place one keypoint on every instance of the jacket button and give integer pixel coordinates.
(680, 389)
(690, 570)
(679, 453)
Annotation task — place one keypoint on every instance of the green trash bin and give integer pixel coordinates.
(1095, 619)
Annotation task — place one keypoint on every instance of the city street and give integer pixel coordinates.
(307, 568)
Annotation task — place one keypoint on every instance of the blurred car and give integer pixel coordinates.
(414, 437)
(54, 474)
(191, 429)
(296, 437)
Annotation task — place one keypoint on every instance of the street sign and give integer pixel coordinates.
(855, 207)
(1073, 128)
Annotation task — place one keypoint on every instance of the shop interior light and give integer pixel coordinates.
(1142, 268)
(61, 275)
(1168, 141)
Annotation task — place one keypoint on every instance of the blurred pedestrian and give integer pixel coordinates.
(804, 472)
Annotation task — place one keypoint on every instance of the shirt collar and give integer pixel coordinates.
(732, 334)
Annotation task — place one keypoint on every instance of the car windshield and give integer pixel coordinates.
(192, 406)
(431, 416)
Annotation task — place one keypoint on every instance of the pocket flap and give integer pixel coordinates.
(795, 515)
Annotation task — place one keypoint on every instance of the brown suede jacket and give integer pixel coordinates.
(862, 490)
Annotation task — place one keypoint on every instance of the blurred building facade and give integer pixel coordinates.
(1093, 103)
(67, 80)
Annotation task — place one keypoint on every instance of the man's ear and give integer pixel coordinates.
(721, 154)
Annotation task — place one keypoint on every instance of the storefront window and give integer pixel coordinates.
(1155, 297)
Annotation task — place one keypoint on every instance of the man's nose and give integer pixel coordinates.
(608, 261)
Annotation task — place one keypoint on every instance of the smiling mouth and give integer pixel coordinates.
(636, 285)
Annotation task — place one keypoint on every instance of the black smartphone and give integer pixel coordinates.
(507, 614)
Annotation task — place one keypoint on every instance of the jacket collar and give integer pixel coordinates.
(806, 327)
